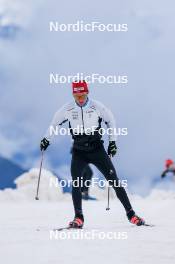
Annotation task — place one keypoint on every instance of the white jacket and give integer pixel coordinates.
(87, 118)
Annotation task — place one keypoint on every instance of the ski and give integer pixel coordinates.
(67, 228)
(145, 224)
(58, 229)
(150, 225)
(73, 228)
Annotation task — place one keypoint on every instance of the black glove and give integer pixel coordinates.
(112, 148)
(44, 144)
(163, 175)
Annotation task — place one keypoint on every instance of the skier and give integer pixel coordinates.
(87, 175)
(87, 115)
(170, 167)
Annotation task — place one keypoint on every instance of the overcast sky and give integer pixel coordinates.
(145, 54)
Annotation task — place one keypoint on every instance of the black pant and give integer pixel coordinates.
(87, 176)
(101, 160)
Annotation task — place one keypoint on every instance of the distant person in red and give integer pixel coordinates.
(170, 167)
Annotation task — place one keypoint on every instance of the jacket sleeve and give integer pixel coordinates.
(109, 120)
(58, 120)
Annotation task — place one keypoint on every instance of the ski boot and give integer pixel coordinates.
(77, 222)
(134, 219)
(86, 196)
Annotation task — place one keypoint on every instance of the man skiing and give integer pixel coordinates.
(170, 167)
(87, 115)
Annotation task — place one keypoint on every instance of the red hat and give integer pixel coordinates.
(80, 87)
(168, 162)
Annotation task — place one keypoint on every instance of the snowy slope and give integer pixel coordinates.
(18, 235)
(22, 217)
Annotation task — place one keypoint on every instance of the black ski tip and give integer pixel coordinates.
(150, 225)
(67, 228)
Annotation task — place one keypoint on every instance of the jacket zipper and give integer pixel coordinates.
(82, 117)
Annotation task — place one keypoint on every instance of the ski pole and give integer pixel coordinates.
(108, 208)
(39, 176)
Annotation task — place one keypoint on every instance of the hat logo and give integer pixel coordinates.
(76, 89)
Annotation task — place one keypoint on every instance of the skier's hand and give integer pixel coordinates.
(163, 175)
(44, 144)
(112, 148)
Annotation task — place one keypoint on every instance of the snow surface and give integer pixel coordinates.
(22, 217)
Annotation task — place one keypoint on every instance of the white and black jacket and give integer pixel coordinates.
(84, 122)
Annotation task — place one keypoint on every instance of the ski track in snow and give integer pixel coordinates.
(20, 242)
